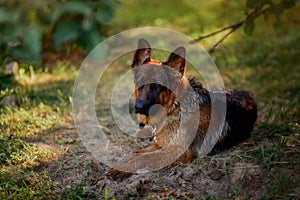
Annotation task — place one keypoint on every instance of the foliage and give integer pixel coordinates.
(25, 24)
(255, 8)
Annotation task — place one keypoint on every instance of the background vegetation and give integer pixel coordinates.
(40, 153)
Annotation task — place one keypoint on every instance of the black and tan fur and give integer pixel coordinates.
(239, 120)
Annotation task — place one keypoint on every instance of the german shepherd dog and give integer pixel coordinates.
(150, 97)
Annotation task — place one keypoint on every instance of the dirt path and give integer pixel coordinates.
(223, 175)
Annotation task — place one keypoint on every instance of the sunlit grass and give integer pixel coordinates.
(267, 64)
(16, 152)
(18, 184)
(28, 122)
(42, 104)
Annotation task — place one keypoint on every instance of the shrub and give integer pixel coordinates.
(26, 24)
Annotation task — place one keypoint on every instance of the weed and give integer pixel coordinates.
(14, 151)
(283, 184)
(211, 197)
(18, 184)
(78, 193)
(282, 187)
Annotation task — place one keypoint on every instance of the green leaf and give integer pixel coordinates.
(65, 31)
(9, 16)
(98, 53)
(70, 7)
(31, 46)
(266, 16)
(87, 24)
(278, 26)
(9, 32)
(79, 7)
(285, 4)
(104, 16)
(256, 4)
(249, 27)
(250, 4)
(89, 39)
(276, 10)
(55, 13)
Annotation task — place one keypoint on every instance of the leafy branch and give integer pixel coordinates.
(27, 29)
(257, 8)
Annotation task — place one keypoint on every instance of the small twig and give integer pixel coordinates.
(244, 167)
(211, 50)
(284, 162)
(254, 14)
(219, 31)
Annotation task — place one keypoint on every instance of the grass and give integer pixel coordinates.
(42, 103)
(78, 193)
(267, 63)
(18, 184)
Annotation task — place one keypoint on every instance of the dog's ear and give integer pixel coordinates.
(176, 60)
(142, 54)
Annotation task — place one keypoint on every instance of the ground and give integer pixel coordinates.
(42, 156)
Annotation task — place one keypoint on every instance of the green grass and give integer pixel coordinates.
(41, 105)
(268, 64)
(18, 184)
(78, 193)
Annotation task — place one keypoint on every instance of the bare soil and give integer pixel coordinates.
(224, 175)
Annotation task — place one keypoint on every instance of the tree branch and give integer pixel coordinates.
(233, 27)
(212, 49)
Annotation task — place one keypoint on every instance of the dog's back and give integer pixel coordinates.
(241, 114)
(161, 90)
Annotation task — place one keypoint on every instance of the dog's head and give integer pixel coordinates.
(157, 83)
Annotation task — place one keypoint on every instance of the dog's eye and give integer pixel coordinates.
(155, 87)
(141, 87)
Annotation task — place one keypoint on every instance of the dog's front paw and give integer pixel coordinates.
(117, 174)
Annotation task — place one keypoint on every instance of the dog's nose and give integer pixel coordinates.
(140, 107)
(139, 104)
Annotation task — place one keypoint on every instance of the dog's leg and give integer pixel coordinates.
(146, 161)
(130, 161)
(152, 147)
(187, 156)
